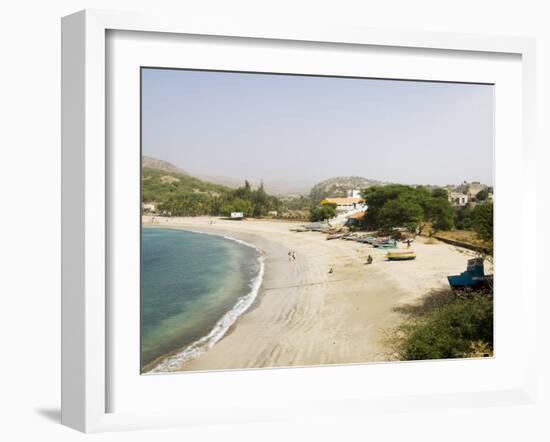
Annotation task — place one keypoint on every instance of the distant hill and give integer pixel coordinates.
(178, 194)
(154, 163)
(222, 180)
(161, 181)
(338, 186)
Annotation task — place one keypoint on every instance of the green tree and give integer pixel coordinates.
(448, 331)
(482, 221)
(237, 205)
(259, 201)
(401, 212)
(440, 192)
(440, 213)
(482, 195)
(297, 203)
(377, 197)
(322, 212)
(243, 192)
(398, 205)
(462, 217)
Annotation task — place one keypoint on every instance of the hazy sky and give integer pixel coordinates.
(307, 129)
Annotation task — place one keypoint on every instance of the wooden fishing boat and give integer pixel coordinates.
(386, 244)
(335, 236)
(473, 277)
(350, 237)
(401, 255)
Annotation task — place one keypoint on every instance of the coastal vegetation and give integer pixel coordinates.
(478, 218)
(398, 205)
(427, 212)
(322, 212)
(473, 225)
(446, 324)
(422, 210)
(177, 194)
(299, 202)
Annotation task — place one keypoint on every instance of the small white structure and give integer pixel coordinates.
(354, 193)
(344, 205)
(149, 207)
(458, 198)
(237, 215)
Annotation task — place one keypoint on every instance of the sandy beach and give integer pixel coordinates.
(303, 314)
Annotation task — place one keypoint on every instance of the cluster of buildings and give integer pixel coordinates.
(352, 202)
(353, 208)
(467, 193)
(350, 209)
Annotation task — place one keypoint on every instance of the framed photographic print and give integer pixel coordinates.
(280, 223)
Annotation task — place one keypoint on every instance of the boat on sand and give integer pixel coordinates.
(474, 277)
(401, 255)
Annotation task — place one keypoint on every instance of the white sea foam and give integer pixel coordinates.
(221, 327)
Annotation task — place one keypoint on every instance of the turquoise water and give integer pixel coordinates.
(193, 287)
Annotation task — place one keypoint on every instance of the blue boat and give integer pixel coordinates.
(386, 244)
(473, 277)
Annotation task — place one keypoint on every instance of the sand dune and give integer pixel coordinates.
(305, 315)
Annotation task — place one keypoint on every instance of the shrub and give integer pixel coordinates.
(449, 330)
(323, 212)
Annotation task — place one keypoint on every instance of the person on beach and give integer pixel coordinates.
(289, 255)
(408, 244)
(330, 271)
(369, 259)
(294, 256)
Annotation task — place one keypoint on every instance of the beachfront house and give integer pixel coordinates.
(357, 219)
(458, 198)
(149, 207)
(346, 204)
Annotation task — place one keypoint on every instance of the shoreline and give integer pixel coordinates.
(302, 314)
(223, 325)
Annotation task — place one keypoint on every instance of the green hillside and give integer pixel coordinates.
(159, 185)
(178, 194)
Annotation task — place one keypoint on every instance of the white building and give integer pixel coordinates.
(354, 193)
(237, 215)
(458, 198)
(149, 207)
(348, 204)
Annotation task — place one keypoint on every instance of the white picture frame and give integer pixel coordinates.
(85, 206)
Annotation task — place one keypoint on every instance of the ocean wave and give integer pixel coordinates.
(202, 345)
